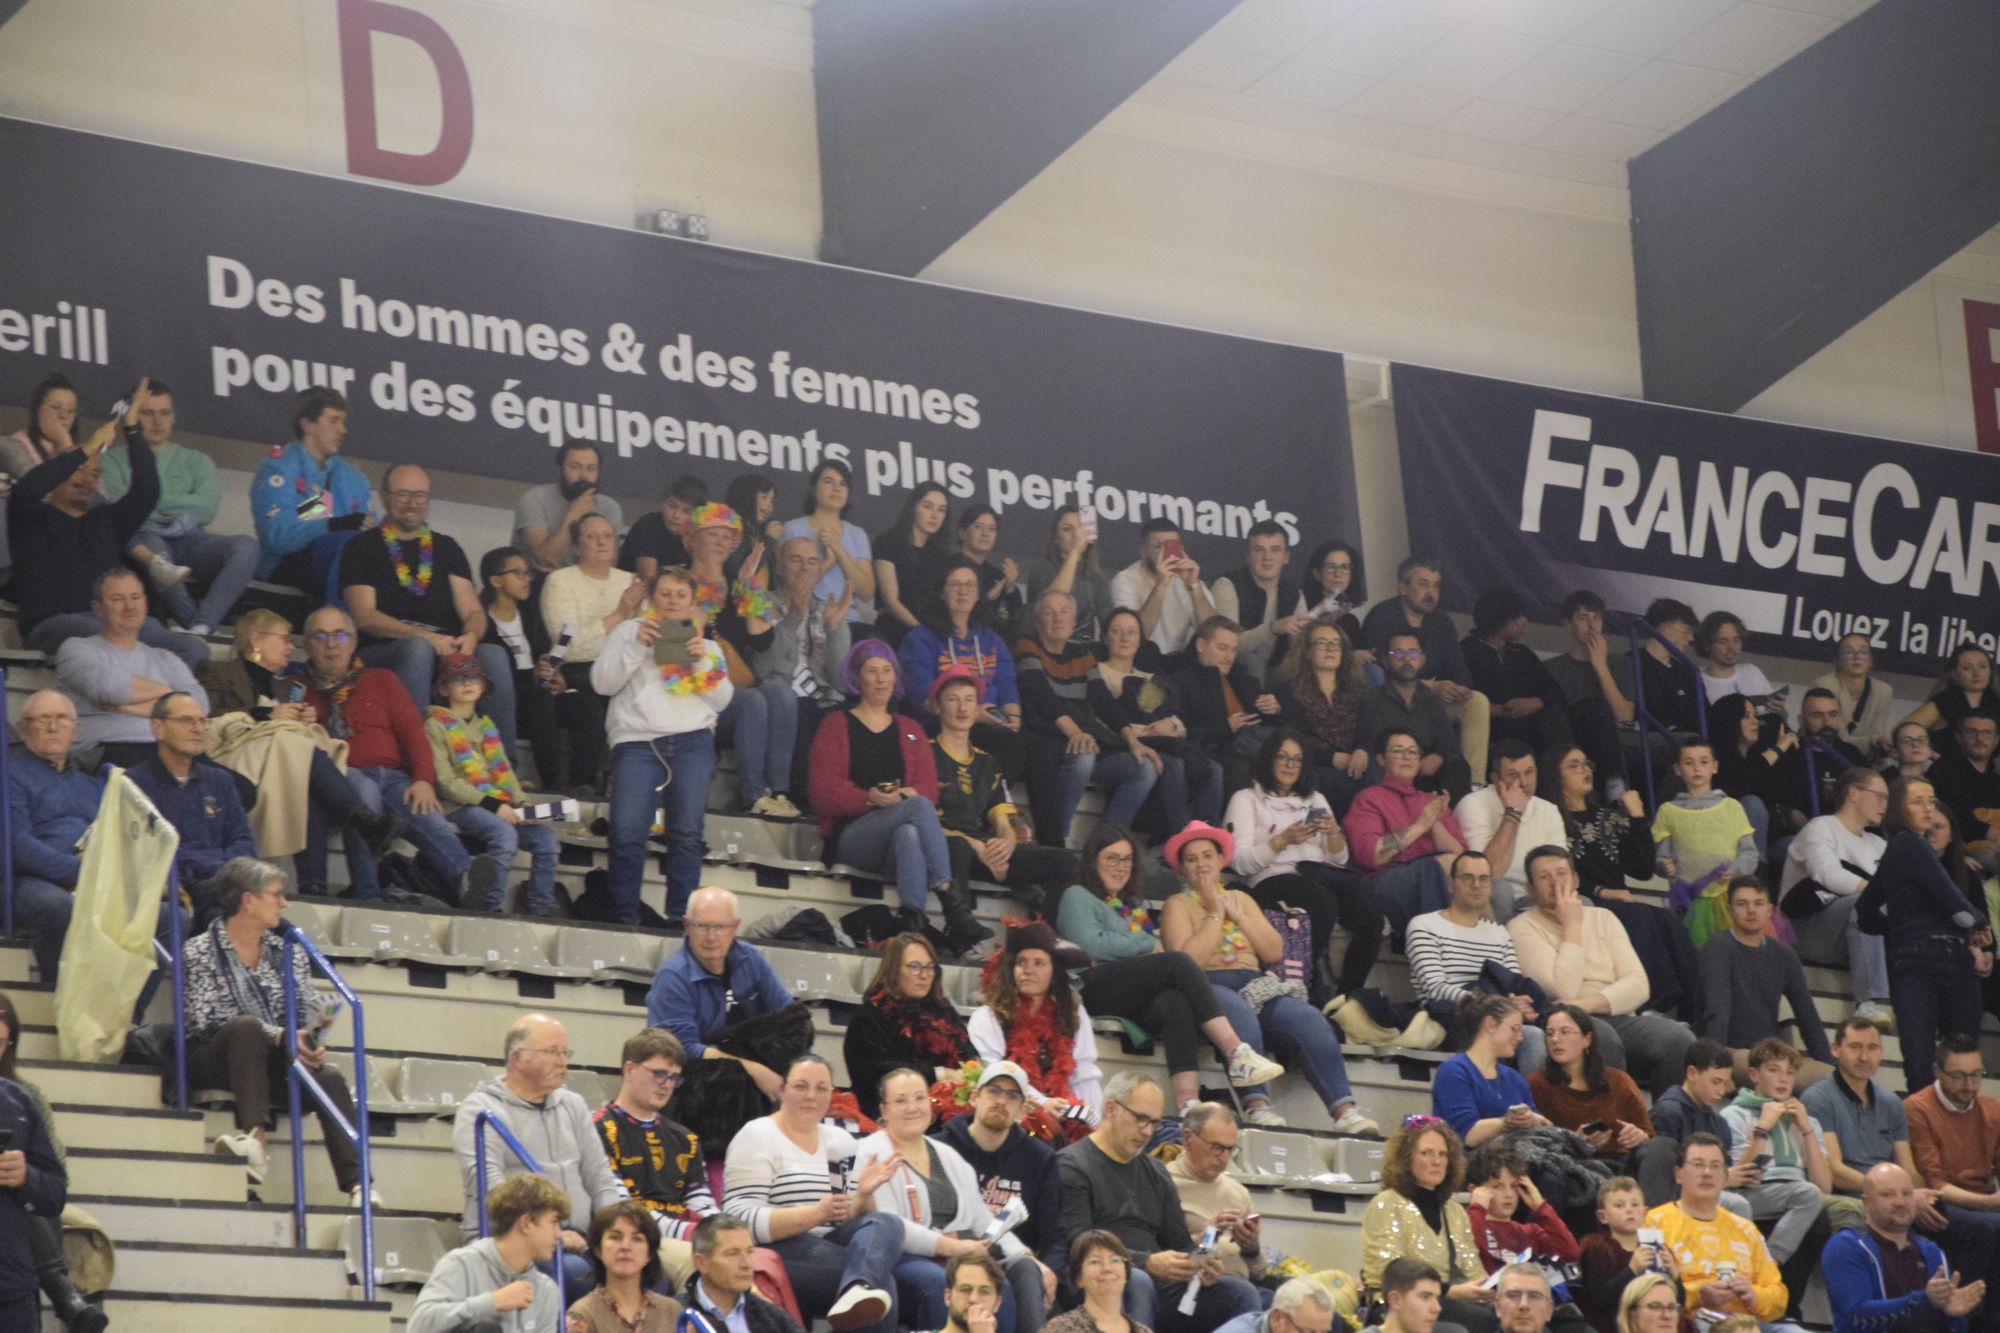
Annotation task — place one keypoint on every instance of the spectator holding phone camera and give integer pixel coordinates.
(1626, 1251)
(1164, 586)
(1772, 1129)
(668, 684)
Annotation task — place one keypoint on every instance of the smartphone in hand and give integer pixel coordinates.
(671, 648)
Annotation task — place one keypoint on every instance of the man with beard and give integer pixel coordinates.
(1011, 1164)
(543, 516)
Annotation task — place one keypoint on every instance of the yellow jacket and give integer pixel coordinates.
(1701, 1246)
(1392, 1228)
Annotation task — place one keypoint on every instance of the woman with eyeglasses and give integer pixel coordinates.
(794, 1179)
(40, 1236)
(1867, 705)
(936, 1193)
(999, 576)
(589, 598)
(1099, 1268)
(506, 586)
(904, 1021)
(1334, 587)
(1319, 689)
(952, 636)
(1290, 852)
(1651, 1303)
(1416, 1217)
(1611, 845)
(1164, 991)
(236, 1021)
(1227, 935)
(1934, 932)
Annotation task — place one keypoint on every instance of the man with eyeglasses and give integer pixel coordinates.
(713, 981)
(1826, 868)
(53, 802)
(659, 1159)
(411, 594)
(1111, 1184)
(389, 761)
(1449, 949)
(1210, 1196)
(1955, 1139)
(198, 799)
(1966, 781)
(1884, 1277)
(553, 1124)
(1010, 1163)
(1725, 1267)
(1405, 703)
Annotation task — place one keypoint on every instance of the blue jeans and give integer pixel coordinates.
(50, 634)
(382, 789)
(865, 1249)
(224, 564)
(1126, 781)
(1158, 1306)
(1409, 890)
(764, 722)
(42, 911)
(498, 842)
(904, 841)
(415, 663)
(1759, 816)
(1299, 1031)
(670, 773)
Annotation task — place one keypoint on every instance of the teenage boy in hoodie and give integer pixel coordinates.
(1694, 1107)
(552, 1123)
(1767, 1121)
(487, 1284)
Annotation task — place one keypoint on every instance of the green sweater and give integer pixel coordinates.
(188, 487)
(1093, 925)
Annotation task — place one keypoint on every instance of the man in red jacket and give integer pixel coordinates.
(388, 758)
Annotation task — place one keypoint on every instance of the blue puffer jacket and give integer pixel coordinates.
(51, 810)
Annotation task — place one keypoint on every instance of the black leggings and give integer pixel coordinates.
(582, 711)
(1165, 993)
(1330, 895)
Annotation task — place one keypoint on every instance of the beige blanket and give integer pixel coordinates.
(277, 756)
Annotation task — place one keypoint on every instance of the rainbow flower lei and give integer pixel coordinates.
(701, 678)
(418, 582)
(483, 765)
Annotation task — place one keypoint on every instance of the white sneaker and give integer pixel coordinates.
(1351, 1121)
(374, 1198)
(200, 631)
(1874, 1011)
(166, 574)
(764, 805)
(784, 807)
(1247, 1068)
(858, 1307)
(1264, 1117)
(242, 1143)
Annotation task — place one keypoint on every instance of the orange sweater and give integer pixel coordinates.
(1953, 1149)
(1571, 1109)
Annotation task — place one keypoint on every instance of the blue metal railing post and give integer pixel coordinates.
(482, 1122)
(7, 816)
(1647, 722)
(169, 955)
(300, 1080)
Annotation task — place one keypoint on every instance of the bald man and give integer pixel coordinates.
(1887, 1279)
(53, 803)
(715, 980)
(552, 1123)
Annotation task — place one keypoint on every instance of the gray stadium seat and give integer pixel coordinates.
(817, 976)
(496, 945)
(382, 1099)
(306, 916)
(389, 936)
(1264, 1155)
(438, 1084)
(406, 1248)
(608, 955)
(593, 1087)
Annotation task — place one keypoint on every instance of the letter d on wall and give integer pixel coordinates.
(359, 21)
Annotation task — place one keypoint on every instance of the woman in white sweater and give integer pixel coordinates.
(1032, 1017)
(936, 1193)
(794, 1181)
(592, 597)
(661, 724)
(1290, 852)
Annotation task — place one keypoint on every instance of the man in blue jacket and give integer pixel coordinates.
(198, 799)
(32, 1187)
(53, 802)
(306, 500)
(1886, 1279)
(715, 981)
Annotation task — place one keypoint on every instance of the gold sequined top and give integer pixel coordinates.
(1392, 1228)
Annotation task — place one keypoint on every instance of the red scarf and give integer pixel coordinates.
(1038, 1045)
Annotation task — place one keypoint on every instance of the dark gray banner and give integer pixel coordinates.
(478, 339)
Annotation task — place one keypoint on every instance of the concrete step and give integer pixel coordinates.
(201, 1269)
(140, 1129)
(196, 1177)
(196, 1312)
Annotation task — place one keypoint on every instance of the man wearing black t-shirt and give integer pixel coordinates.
(659, 539)
(411, 594)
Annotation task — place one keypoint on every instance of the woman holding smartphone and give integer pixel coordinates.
(668, 685)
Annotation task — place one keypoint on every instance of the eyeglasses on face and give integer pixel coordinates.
(562, 1051)
(665, 1078)
(1406, 654)
(1962, 1076)
(1288, 757)
(329, 636)
(1146, 1122)
(1117, 858)
(920, 969)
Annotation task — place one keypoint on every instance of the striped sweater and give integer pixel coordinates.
(1444, 956)
(765, 1171)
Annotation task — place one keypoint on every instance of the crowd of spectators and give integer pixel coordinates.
(1310, 775)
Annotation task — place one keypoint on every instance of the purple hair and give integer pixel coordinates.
(858, 656)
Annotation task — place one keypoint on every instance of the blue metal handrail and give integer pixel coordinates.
(1637, 627)
(7, 814)
(482, 1122)
(170, 959)
(298, 1078)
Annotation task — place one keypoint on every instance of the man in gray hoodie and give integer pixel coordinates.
(552, 1123)
(492, 1285)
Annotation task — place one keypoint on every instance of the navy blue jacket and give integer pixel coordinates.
(204, 810)
(1024, 1166)
(687, 999)
(1852, 1266)
(51, 810)
(40, 1196)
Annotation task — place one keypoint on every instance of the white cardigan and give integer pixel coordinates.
(921, 1231)
(1088, 1080)
(1255, 814)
